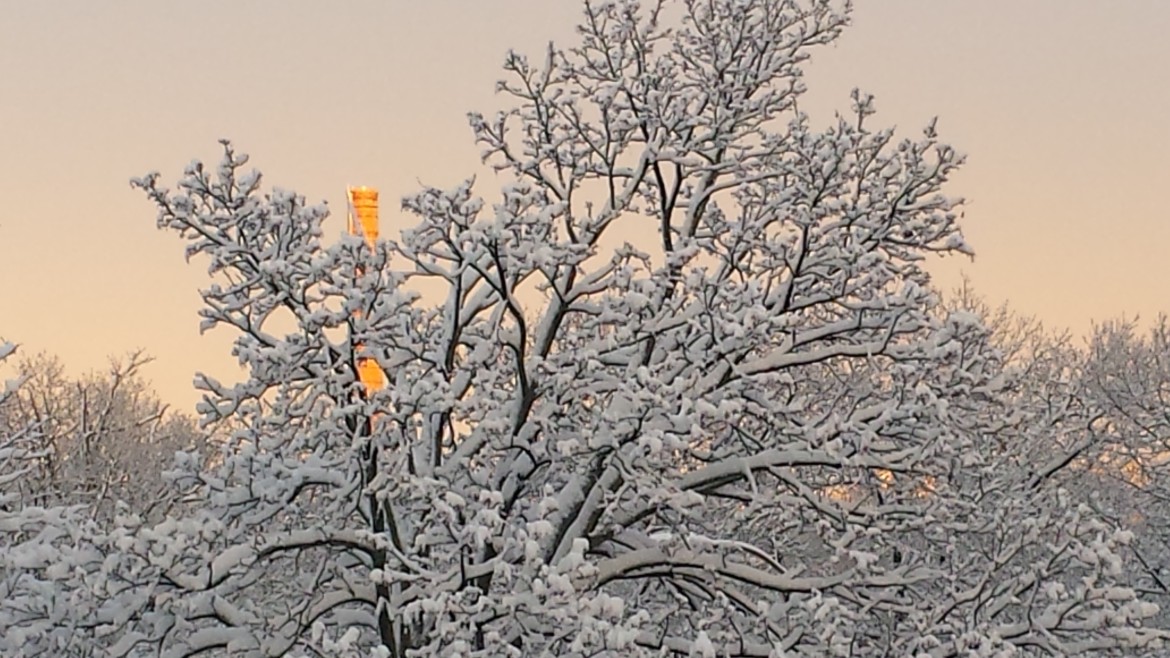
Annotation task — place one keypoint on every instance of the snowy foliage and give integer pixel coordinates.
(681, 387)
(101, 439)
(65, 588)
(1124, 380)
(756, 434)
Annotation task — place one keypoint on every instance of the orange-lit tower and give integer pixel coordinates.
(363, 213)
(363, 221)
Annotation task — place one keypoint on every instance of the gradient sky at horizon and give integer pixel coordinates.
(1062, 106)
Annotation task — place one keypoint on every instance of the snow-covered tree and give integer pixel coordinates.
(1124, 379)
(1052, 552)
(1100, 434)
(67, 588)
(103, 438)
(683, 388)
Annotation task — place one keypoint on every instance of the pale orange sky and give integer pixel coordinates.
(1062, 105)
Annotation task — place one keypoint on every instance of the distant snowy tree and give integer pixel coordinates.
(1051, 553)
(1124, 379)
(67, 589)
(749, 430)
(101, 438)
(1098, 416)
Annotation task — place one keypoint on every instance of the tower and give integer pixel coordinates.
(362, 219)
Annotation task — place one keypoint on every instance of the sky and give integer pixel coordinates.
(1063, 107)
